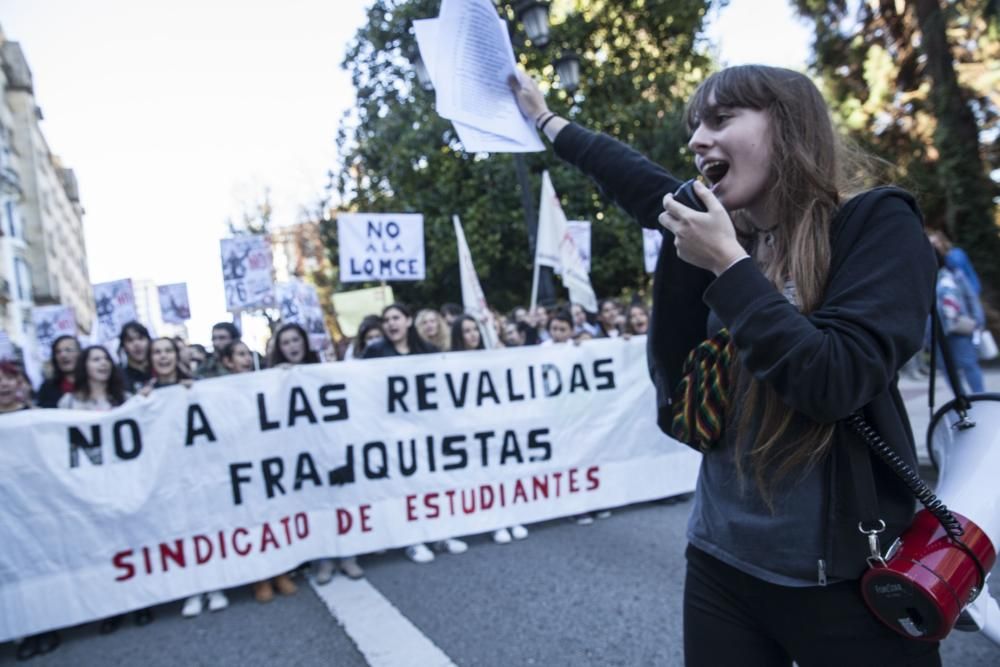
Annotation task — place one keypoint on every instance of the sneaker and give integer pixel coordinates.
(324, 570)
(603, 514)
(192, 606)
(419, 553)
(518, 532)
(285, 585)
(501, 536)
(217, 601)
(583, 520)
(452, 546)
(350, 567)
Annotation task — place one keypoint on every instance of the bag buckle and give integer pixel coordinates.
(874, 558)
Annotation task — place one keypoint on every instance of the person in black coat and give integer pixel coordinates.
(65, 350)
(811, 299)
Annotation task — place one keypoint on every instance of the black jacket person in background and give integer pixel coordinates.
(819, 298)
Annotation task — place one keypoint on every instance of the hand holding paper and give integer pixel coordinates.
(469, 57)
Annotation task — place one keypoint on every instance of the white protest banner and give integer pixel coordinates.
(246, 272)
(652, 239)
(299, 303)
(115, 302)
(380, 246)
(556, 247)
(244, 477)
(175, 308)
(51, 322)
(473, 298)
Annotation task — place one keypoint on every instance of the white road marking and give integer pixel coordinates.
(384, 636)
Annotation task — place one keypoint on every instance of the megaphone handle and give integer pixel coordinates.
(917, 487)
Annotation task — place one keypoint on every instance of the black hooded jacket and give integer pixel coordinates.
(842, 357)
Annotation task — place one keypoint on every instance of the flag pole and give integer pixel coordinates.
(534, 281)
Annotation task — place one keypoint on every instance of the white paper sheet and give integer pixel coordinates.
(469, 72)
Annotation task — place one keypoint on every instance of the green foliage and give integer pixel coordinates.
(916, 84)
(639, 64)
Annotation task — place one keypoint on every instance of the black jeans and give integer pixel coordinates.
(732, 618)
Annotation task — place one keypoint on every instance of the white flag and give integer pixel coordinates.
(473, 299)
(556, 247)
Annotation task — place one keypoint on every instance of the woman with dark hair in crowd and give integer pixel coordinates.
(465, 334)
(236, 357)
(637, 322)
(401, 337)
(166, 369)
(97, 383)
(608, 319)
(291, 346)
(165, 364)
(369, 331)
(134, 342)
(65, 350)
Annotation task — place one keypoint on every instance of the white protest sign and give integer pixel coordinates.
(473, 297)
(299, 303)
(174, 305)
(51, 322)
(381, 246)
(651, 242)
(7, 351)
(246, 476)
(555, 246)
(246, 272)
(580, 231)
(115, 307)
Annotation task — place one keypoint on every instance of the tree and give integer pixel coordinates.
(640, 62)
(916, 84)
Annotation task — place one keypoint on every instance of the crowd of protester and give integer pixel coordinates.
(92, 378)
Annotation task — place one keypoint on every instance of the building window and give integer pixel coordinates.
(12, 225)
(23, 277)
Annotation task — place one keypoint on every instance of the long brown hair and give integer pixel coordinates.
(807, 178)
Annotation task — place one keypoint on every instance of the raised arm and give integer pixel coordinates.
(632, 181)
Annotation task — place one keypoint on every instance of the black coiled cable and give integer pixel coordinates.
(917, 487)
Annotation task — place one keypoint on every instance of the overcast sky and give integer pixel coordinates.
(173, 112)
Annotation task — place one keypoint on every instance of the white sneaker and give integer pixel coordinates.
(518, 532)
(583, 520)
(501, 536)
(452, 546)
(324, 570)
(603, 514)
(217, 601)
(192, 606)
(419, 553)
